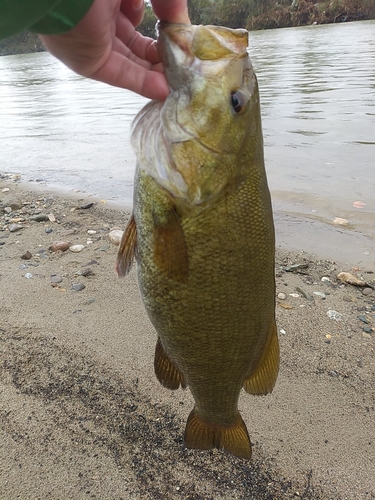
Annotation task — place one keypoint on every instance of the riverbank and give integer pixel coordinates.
(83, 416)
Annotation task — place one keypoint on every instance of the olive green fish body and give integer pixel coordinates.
(206, 272)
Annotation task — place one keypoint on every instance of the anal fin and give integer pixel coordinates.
(126, 253)
(165, 370)
(204, 435)
(263, 379)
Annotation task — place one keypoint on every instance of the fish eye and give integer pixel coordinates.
(238, 101)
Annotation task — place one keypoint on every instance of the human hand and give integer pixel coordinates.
(105, 46)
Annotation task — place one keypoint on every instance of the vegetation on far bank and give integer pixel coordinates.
(249, 14)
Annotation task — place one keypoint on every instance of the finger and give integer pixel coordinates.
(133, 10)
(142, 46)
(122, 72)
(173, 11)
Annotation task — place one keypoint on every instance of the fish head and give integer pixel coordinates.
(211, 116)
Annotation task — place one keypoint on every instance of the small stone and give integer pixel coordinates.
(15, 227)
(115, 236)
(363, 319)
(5, 190)
(56, 279)
(304, 293)
(321, 295)
(103, 248)
(51, 218)
(350, 279)
(294, 295)
(367, 329)
(23, 267)
(78, 287)
(281, 296)
(39, 217)
(61, 246)
(87, 272)
(26, 256)
(28, 276)
(2, 243)
(16, 220)
(7, 210)
(282, 331)
(325, 279)
(367, 291)
(76, 248)
(88, 205)
(49, 230)
(340, 221)
(336, 316)
(91, 231)
(366, 335)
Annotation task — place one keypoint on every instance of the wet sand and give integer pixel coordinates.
(83, 416)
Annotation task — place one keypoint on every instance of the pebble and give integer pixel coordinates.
(15, 227)
(281, 296)
(325, 279)
(321, 295)
(294, 295)
(350, 279)
(51, 218)
(304, 293)
(76, 248)
(363, 319)
(115, 236)
(49, 230)
(23, 267)
(282, 331)
(78, 287)
(91, 231)
(5, 190)
(28, 276)
(39, 217)
(88, 205)
(56, 279)
(26, 256)
(336, 316)
(103, 248)
(59, 246)
(366, 335)
(367, 291)
(340, 221)
(295, 267)
(367, 329)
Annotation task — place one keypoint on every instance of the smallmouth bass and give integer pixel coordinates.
(202, 232)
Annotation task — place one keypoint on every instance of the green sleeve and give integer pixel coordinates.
(48, 17)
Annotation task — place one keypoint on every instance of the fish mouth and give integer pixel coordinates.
(184, 48)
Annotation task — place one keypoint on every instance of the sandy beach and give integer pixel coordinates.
(82, 414)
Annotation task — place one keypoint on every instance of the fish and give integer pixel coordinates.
(202, 232)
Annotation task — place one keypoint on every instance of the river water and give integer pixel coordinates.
(317, 88)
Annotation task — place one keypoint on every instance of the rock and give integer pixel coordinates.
(15, 227)
(91, 231)
(336, 316)
(281, 296)
(56, 279)
(363, 319)
(51, 218)
(350, 279)
(115, 236)
(14, 204)
(85, 207)
(5, 190)
(28, 276)
(295, 267)
(305, 294)
(26, 256)
(78, 287)
(2, 243)
(76, 248)
(23, 267)
(57, 246)
(367, 291)
(366, 335)
(367, 329)
(325, 279)
(104, 248)
(321, 295)
(282, 331)
(49, 230)
(341, 222)
(39, 217)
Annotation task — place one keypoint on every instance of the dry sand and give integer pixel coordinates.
(82, 415)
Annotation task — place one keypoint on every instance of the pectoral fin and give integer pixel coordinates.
(263, 379)
(126, 253)
(165, 370)
(204, 435)
(170, 250)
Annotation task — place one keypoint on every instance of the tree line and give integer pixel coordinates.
(249, 14)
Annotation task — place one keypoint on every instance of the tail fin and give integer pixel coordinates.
(204, 436)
